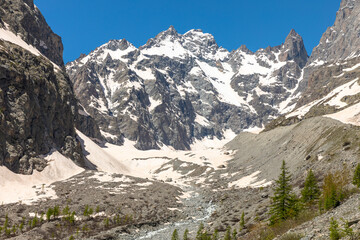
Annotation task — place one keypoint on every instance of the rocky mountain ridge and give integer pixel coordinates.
(179, 88)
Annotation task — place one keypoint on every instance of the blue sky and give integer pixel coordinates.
(87, 24)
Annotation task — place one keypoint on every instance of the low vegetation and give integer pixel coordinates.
(287, 210)
(65, 223)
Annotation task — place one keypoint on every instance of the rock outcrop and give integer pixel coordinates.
(25, 19)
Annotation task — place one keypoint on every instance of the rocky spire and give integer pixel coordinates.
(294, 49)
(245, 49)
(171, 31)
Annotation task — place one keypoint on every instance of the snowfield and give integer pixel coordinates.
(127, 160)
(30, 188)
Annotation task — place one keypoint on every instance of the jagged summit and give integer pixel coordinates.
(122, 44)
(178, 88)
(294, 49)
(171, 31)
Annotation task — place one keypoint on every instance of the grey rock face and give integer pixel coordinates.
(25, 19)
(37, 111)
(342, 39)
(181, 87)
(295, 49)
(338, 49)
(86, 124)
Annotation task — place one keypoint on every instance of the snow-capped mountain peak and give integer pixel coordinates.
(158, 93)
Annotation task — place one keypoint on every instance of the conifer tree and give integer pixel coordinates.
(228, 234)
(234, 234)
(311, 189)
(356, 179)
(186, 233)
(49, 213)
(200, 231)
(334, 230)
(56, 211)
(242, 221)
(175, 235)
(284, 203)
(215, 235)
(332, 193)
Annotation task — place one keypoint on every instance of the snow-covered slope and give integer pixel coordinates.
(7, 35)
(31, 188)
(181, 87)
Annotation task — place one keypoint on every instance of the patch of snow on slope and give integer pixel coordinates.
(30, 188)
(352, 68)
(348, 89)
(250, 181)
(251, 66)
(168, 47)
(118, 53)
(102, 159)
(254, 130)
(9, 36)
(284, 106)
(99, 104)
(202, 120)
(332, 99)
(108, 135)
(100, 53)
(301, 111)
(154, 103)
(144, 74)
(350, 115)
(107, 177)
(317, 63)
(128, 160)
(221, 81)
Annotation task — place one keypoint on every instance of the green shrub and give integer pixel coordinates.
(333, 190)
(215, 235)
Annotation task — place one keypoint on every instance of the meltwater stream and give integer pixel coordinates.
(197, 210)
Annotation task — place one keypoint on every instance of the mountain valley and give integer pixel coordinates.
(135, 143)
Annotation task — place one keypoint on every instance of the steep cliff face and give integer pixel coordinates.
(342, 40)
(25, 19)
(333, 62)
(179, 88)
(38, 109)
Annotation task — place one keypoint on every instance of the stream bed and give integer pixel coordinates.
(197, 210)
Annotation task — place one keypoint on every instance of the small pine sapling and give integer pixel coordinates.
(186, 233)
(175, 235)
(356, 178)
(334, 230)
